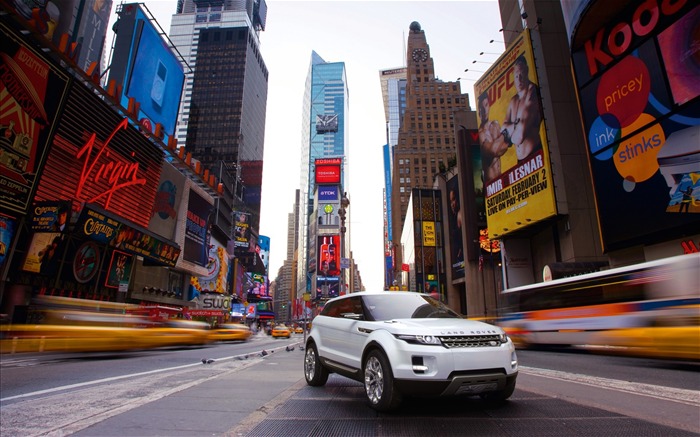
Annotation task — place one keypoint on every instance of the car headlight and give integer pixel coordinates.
(503, 337)
(420, 339)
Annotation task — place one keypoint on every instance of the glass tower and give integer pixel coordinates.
(325, 97)
(222, 113)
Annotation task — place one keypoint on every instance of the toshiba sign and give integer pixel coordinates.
(327, 174)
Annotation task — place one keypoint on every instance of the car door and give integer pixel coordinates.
(351, 338)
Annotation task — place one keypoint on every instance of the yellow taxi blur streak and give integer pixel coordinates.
(230, 332)
(70, 338)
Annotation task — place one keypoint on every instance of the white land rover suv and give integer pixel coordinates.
(406, 343)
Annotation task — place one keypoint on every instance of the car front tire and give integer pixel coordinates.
(379, 383)
(315, 373)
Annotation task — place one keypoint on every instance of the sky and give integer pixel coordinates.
(368, 36)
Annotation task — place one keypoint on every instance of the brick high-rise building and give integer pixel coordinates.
(426, 138)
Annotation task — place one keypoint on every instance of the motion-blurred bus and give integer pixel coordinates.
(648, 309)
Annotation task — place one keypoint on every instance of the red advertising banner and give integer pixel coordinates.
(31, 92)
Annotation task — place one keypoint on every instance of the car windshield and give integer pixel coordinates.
(406, 305)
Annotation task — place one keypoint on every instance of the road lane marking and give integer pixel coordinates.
(680, 395)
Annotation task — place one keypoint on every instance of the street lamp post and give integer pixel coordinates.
(344, 203)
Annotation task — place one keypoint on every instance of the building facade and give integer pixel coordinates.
(426, 141)
(325, 135)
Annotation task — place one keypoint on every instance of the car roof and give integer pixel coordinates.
(376, 293)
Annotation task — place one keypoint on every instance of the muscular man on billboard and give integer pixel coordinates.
(521, 126)
(493, 144)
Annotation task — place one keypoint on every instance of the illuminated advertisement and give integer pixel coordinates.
(328, 193)
(31, 92)
(8, 227)
(241, 233)
(327, 171)
(328, 287)
(147, 68)
(328, 255)
(119, 270)
(84, 22)
(50, 216)
(514, 148)
(264, 252)
(638, 86)
(167, 201)
(98, 226)
(455, 223)
(429, 234)
(98, 157)
(216, 279)
(196, 247)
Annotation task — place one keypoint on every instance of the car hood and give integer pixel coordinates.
(441, 327)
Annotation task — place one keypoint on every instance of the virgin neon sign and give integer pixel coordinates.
(112, 174)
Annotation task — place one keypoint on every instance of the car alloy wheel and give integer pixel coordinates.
(379, 383)
(314, 372)
(374, 380)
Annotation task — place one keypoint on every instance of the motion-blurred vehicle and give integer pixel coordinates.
(408, 343)
(298, 330)
(230, 332)
(649, 308)
(281, 330)
(79, 325)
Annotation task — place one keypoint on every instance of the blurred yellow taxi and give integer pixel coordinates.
(666, 342)
(298, 330)
(281, 330)
(73, 331)
(230, 332)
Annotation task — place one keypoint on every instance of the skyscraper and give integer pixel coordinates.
(324, 135)
(426, 142)
(222, 114)
(393, 82)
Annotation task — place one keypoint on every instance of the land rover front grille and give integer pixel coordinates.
(470, 341)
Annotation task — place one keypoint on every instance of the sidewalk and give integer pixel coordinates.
(226, 405)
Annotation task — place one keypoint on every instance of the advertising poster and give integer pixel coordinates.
(44, 253)
(7, 232)
(264, 252)
(119, 269)
(50, 216)
(196, 247)
(167, 202)
(514, 149)
(328, 255)
(641, 115)
(31, 92)
(216, 279)
(149, 56)
(455, 223)
(429, 234)
(241, 233)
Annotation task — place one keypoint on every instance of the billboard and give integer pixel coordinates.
(32, 90)
(328, 171)
(264, 252)
(196, 247)
(147, 68)
(514, 148)
(638, 90)
(328, 255)
(167, 201)
(216, 278)
(83, 22)
(455, 223)
(241, 233)
(98, 157)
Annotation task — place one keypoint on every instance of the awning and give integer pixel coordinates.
(97, 224)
